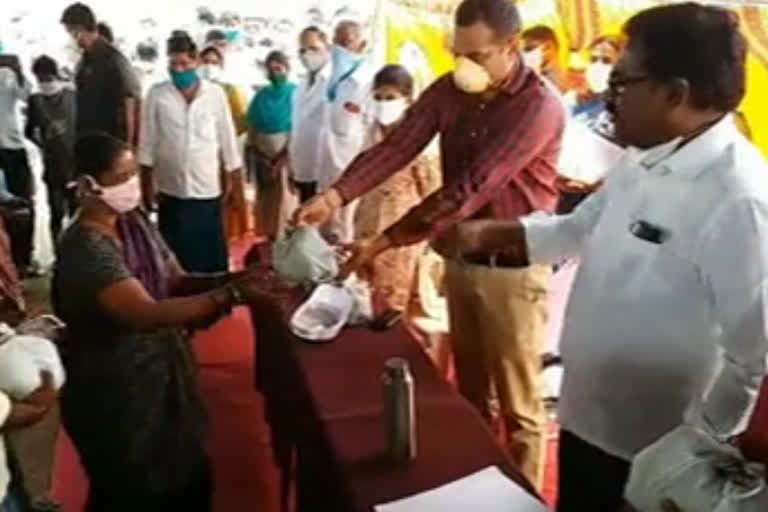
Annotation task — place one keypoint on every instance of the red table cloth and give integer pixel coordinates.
(325, 406)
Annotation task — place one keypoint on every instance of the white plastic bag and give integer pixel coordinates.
(362, 308)
(698, 473)
(304, 256)
(22, 358)
(324, 314)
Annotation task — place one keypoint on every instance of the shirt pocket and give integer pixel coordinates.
(346, 118)
(205, 127)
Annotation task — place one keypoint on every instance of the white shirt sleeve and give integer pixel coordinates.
(148, 132)
(734, 265)
(552, 238)
(227, 135)
(5, 408)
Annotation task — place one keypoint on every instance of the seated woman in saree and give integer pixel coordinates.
(269, 128)
(131, 402)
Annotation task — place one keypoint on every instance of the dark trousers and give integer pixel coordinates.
(62, 203)
(19, 181)
(590, 479)
(193, 496)
(307, 190)
(194, 230)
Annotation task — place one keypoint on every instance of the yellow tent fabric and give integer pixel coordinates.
(419, 32)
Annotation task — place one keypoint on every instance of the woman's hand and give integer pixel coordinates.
(249, 288)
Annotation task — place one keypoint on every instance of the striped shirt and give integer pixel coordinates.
(499, 155)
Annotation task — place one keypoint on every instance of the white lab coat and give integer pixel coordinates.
(347, 122)
(667, 324)
(309, 110)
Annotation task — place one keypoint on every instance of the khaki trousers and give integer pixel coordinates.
(498, 320)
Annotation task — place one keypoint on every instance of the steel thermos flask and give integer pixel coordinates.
(399, 410)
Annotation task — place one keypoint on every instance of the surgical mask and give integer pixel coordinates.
(534, 59)
(121, 198)
(343, 59)
(51, 88)
(314, 60)
(471, 77)
(597, 76)
(184, 79)
(388, 112)
(212, 72)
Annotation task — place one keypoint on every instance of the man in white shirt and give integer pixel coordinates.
(187, 131)
(14, 161)
(309, 111)
(667, 322)
(346, 120)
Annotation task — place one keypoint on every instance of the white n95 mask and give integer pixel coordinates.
(471, 77)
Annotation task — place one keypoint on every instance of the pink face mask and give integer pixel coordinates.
(121, 198)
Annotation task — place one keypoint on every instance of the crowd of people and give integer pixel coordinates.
(667, 313)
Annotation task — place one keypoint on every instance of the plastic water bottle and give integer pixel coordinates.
(399, 409)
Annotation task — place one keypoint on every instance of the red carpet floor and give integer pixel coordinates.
(245, 477)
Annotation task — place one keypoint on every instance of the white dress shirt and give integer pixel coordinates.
(309, 105)
(185, 143)
(346, 125)
(11, 97)
(657, 334)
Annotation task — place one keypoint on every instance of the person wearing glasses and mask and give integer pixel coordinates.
(309, 111)
(347, 121)
(666, 323)
(393, 271)
(500, 127)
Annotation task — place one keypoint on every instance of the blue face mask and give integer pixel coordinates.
(345, 63)
(184, 79)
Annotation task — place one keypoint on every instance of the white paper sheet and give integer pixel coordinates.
(586, 156)
(488, 490)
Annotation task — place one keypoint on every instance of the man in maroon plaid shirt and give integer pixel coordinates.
(500, 128)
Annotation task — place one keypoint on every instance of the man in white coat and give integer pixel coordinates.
(309, 106)
(346, 119)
